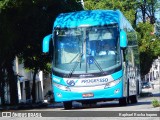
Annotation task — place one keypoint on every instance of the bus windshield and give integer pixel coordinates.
(86, 49)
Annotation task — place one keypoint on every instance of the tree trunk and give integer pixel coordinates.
(143, 9)
(143, 14)
(34, 86)
(12, 83)
(135, 18)
(2, 84)
(152, 19)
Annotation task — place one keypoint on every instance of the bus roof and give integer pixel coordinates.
(91, 18)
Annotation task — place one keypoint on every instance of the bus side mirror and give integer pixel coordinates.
(46, 41)
(123, 39)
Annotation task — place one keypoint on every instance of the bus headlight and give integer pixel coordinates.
(62, 87)
(113, 83)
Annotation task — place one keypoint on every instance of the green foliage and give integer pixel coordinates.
(155, 103)
(128, 7)
(23, 24)
(147, 9)
(37, 23)
(3, 3)
(149, 46)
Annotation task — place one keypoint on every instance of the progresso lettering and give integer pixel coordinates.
(103, 80)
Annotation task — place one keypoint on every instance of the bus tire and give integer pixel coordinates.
(123, 101)
(134, 99)
(67, 105)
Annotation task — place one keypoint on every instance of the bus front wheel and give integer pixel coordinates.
(123, 101)
(134, 99)
(67, 105)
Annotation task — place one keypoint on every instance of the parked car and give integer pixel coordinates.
(146, 85)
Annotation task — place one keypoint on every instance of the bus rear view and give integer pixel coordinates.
(89, 59)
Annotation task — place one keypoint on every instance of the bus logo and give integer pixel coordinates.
(99, 80)
(70, 82)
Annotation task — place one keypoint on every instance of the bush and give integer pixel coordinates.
(155, 103)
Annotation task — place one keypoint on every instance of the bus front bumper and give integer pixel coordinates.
(113, 92)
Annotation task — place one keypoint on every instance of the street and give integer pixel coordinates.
(144, 104)
(101, 110)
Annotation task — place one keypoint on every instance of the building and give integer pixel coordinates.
(25, 82)
(154, 71)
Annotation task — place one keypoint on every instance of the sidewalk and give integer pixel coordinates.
(156, 83)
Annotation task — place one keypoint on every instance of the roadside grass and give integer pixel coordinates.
(155, 103)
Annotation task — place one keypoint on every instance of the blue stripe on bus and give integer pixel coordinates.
(117, 75)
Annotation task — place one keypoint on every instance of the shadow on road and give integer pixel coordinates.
(156, 95)
(141, 103)
(76, 105)
(109, 105)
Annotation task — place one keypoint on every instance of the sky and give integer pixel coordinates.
(157, 13)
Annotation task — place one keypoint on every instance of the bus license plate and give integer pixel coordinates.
(88, 95)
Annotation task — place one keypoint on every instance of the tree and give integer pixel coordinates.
(149, 46)
(147, 9)
(8, 51)
(37, 23)
(149, 49)
(128, 7)
(47, 11)
(23, 26)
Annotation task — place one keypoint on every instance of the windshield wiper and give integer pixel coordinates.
(96, 63)
(76, 64)
(74, 57)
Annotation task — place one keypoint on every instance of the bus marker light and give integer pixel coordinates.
(59, 94)
(116, 91)
(62, 87)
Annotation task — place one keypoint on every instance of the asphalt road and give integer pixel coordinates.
(143, 110)
(144, 104)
